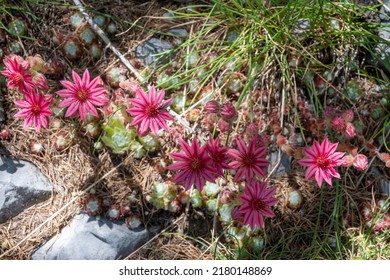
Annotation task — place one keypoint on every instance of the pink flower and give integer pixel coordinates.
(82, 96)
(256, 204)
(194, 166)
(321, 160)
(338, 123)
(218, 155)
(360, 162)
(350, 130)
(35, 110)
(248, 160)
(150, 111)
(16, 73)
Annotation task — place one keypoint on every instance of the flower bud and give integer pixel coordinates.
(212, 107)
(228, 112)
(223, 125)
(350, 130)
(360, 162)
(348, 160)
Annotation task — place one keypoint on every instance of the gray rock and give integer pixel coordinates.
(301, 27)
(179, 32)
(384, 31)
(384, 12)
(21, 186)
(285, 164)
(381, 56)
(383, 187)
(151, 52)
(88, 238)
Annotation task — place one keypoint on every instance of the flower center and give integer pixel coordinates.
(248, 160)
(323, 161)
(35, 109)
(18, 78)
(196, 164)
(217, 156)
(258, 204)
(151, 111)
(82, 95)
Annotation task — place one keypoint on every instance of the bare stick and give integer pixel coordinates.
(104, 37)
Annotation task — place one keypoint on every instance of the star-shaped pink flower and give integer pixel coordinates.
(16, 72)
(35, 110)
(194, 166)
(82, 96)
(249, 161)
(321, 161)
(150, 111)
(256, 204)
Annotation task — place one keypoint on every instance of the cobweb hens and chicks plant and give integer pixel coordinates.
(196, 164)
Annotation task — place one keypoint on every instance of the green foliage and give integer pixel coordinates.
(116, 136)
(162, 194)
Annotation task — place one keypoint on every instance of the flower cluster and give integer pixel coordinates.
(197, 164)
(343, 122)
(224, 115)
(35, 107)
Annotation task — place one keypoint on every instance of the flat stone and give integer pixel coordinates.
(21, 186)
(285, 164)
(88, 238)
(151, 52)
